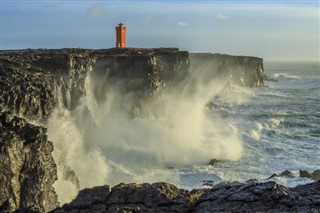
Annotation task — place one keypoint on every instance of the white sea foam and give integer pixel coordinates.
(289, 182)
(275, 123)
(255, 134)
(76, 164)
(102, 143)
(285, 76)
(239, 95)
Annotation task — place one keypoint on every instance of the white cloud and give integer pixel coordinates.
(97, 11)
(222, 17)
(182, 23)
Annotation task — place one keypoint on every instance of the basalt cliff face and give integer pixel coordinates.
(28, 170)
(236, 70)
(34, 82)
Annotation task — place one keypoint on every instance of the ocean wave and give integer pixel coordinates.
(275, 123)
(289, 182)
(285, 76)
(314, 133)
(276, 94)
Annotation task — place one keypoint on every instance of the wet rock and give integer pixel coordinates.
(209, 183)
(8, 206)
(164, 197)
(28, 170)
(215, 162)
(263, 197)
(252, 181)
(157, 197)
(237, 70)
(272, 176)
(149, 197)
(287, 174)
(304, 173)
(93, 198)
(316, 175)
(212, 105)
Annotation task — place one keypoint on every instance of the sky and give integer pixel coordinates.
(279, 30)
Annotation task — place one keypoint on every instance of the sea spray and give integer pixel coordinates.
(78, 166)
(116, 135)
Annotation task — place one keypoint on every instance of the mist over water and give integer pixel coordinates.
(116, 136)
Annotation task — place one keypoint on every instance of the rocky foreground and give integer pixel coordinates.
(164, 197)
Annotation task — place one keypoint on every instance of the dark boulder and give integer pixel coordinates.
(304, 173)
(285, 174)
(314, 175)
(213, 162)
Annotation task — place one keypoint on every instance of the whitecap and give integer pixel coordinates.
(259, 126)
(289, 182)
(285, 76)
(275, 122)
(255, 134)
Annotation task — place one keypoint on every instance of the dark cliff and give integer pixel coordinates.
(28, 170)
(34, 82)
(238, 70)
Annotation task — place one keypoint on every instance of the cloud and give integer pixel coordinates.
(97, 11)
(222, 17)
(182, 23)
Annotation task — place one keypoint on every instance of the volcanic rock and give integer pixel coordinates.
(28, 170)
(314, 175)
(164, 197)
(215, 161)
(238, 70)
(304, 173)
(286, 174)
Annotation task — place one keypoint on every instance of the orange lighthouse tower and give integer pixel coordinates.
(121, 36)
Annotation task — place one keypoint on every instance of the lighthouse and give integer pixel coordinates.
(121, 36)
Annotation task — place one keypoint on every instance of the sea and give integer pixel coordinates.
(279, 125)
(254, 132)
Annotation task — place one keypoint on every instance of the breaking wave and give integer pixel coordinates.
(111, 137)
